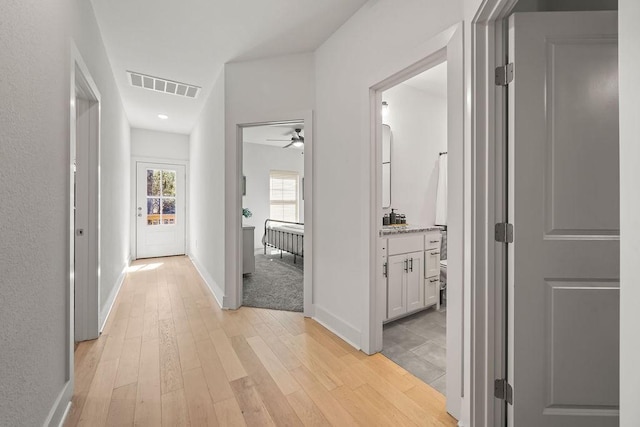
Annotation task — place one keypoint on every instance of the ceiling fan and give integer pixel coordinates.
(296, 140)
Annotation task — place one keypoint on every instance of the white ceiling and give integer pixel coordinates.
(433, 81)
(189, 41)
(262, 134)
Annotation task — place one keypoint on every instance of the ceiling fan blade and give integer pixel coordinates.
(288, 145)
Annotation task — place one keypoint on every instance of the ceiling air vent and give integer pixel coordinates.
(163, 85)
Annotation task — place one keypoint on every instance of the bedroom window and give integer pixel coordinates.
(283, 195)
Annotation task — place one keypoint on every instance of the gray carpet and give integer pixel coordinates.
(276, 284)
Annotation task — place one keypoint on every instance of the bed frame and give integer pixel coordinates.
(283, 240)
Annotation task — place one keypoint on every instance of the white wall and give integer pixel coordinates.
(418, 122)
(207, 191)
(258, 161)
(378, 41)
(34, 183)
(265, 90)
(629, 30)
(159, 145)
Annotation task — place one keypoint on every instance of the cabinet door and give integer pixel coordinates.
(396, 286)
(432, 286)
(415, 281)
(432, 267)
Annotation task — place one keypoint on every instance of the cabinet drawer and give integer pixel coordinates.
(431, 291)
(432, 240)
(403, 245)
(432, 263)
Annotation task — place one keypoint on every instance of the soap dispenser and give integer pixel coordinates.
(392, 217)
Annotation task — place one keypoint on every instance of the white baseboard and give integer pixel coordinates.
(338, 326)
(106, 309)
(60, 408)
(218, 293)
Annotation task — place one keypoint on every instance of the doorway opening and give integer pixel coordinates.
(161, 209)
(85, 202)
(275, 198)
(417, 301)
(273, 216)
(414, 195)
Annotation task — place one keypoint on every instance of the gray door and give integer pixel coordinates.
(563, 278)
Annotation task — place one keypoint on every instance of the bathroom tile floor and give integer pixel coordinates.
(418, 344)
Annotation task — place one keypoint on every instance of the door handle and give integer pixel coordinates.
(411, 265)
(406, 265)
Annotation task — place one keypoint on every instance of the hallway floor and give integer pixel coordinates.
(170, 356)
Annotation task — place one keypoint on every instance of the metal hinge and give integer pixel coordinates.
(504, 74)
(503, 390)
(504, 232)
(385, 269)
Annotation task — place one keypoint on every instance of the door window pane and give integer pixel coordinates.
(153, 182)
(161, 197)
(169, 183)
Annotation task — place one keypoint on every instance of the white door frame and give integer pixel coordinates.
(488, 297)
(78, 72)
(233, 240)
(447, 46)
(87, 229)
(134, 197)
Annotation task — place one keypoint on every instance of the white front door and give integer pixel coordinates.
(563, 274)
(160, 210)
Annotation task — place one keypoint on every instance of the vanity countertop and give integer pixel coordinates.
(390, 230)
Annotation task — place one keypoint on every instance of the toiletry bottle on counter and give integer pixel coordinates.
(385, 219)
(392, 217)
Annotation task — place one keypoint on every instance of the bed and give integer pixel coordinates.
(285, 236)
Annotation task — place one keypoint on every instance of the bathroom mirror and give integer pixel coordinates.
(386, 166)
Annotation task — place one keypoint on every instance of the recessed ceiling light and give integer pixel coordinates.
(163, 116)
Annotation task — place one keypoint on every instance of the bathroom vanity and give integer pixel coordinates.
(411, 267)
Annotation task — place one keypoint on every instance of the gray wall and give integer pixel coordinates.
(565, 5)
(34, 196)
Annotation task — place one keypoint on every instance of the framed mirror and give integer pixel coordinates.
(386, 166)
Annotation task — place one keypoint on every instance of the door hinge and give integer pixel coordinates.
(503, 390)
(385, 270)
(504, 232)
(504, 74)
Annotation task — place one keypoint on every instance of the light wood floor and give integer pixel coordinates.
(170, 356)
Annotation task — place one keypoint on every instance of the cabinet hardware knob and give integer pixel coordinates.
(411, 265)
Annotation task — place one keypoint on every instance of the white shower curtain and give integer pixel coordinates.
(441, 195)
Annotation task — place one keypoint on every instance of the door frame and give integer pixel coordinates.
(233, 242)
(134, 197)
(87, 294)
(447, 46)
(78, 72)
(488, 305)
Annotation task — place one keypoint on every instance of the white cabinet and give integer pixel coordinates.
(432, 264)
(432, 288)
(405, 289)
(432, 269)
(396, 286)
(412, 271)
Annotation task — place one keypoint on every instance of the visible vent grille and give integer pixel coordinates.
(163, 85)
